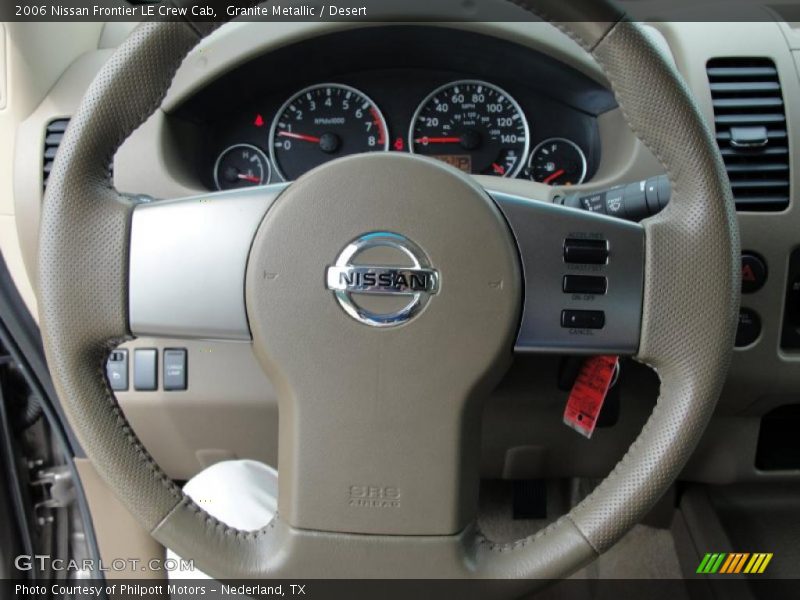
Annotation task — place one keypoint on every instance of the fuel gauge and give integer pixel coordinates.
(241, 165)
(557, 161)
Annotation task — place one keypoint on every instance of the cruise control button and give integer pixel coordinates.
(583, 319)
(754, 273)
(587, 252)
(584, 284)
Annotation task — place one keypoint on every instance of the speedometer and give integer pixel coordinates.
(321, 123)
(474, 126)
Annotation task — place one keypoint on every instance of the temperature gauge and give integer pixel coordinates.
(242, 165)
(557, 161)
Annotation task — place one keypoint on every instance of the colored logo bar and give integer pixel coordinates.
(734, 563)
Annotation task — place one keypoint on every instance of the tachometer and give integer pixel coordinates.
(474, 126)
(321, 123)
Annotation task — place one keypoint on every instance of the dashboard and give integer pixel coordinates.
(453, 95)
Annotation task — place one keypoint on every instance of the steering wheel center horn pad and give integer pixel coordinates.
(388, 290)
(374, 416)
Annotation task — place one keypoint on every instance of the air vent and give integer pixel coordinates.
(751, 131)
(52, 139)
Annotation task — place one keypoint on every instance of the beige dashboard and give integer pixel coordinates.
(229, 409)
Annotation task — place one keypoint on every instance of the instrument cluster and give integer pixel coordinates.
(473, 125)
(493, 107)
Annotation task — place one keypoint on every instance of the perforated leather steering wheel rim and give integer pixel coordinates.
(690, 307)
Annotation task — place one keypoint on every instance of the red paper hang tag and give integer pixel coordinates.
(589, 392)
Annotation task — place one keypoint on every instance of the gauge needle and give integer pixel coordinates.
(499, 169)
(554, 176)
(437, 140)
(247, 177)
(299, 136)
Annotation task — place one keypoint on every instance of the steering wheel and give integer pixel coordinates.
(384, 295)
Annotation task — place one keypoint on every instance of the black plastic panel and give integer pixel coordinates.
(778, 444)
(790, 340)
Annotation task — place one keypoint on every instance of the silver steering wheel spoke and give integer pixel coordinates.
(583, 278)
(187, 263)
(583, 272)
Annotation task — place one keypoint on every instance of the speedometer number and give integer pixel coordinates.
(474, 126)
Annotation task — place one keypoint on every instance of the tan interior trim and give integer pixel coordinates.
(119, 535)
